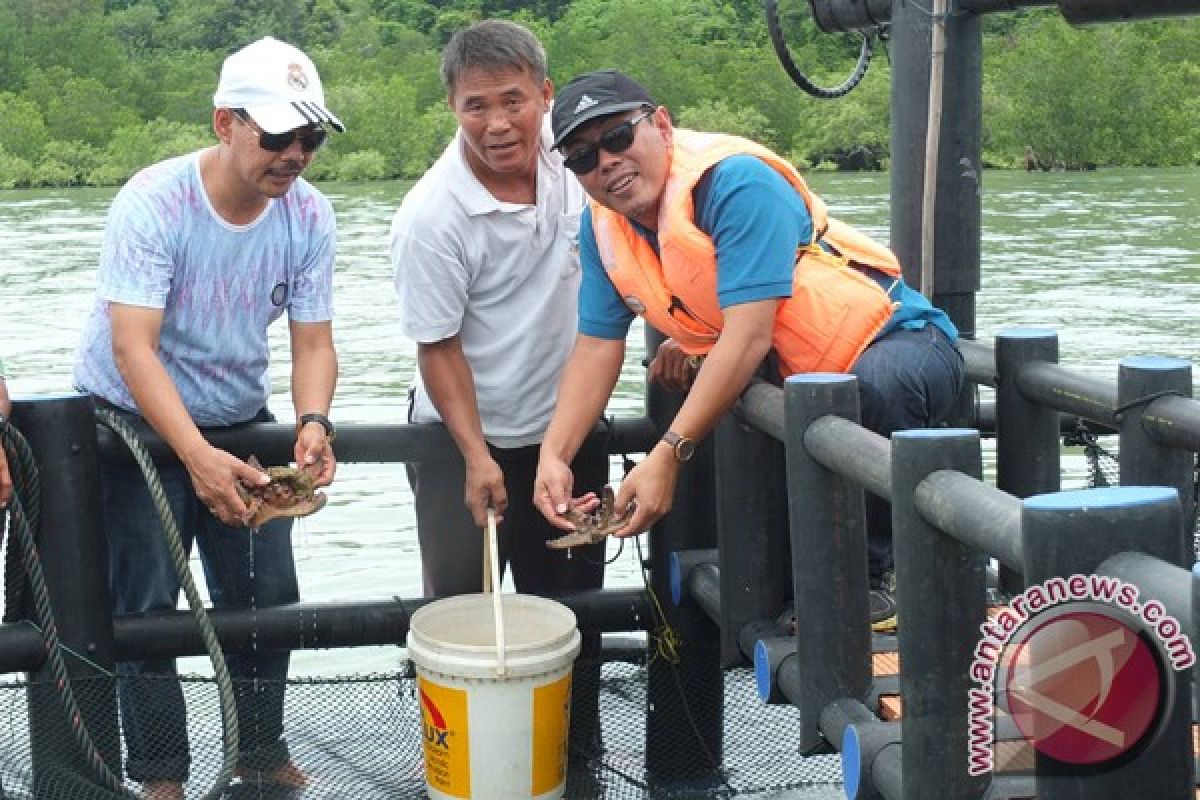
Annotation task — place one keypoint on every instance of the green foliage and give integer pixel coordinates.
(93, 90)
(22, 129)
(15, 172)
(720, 116)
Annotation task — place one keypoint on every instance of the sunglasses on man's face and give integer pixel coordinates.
(310, 138)
(614, 140)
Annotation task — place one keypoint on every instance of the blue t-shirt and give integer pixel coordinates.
(757, 221)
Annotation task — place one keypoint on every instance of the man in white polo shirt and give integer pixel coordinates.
(487, 272)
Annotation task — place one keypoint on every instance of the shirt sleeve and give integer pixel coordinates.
(431, 277)
(757, 221)
(136, 262)
(312, 289)
(602, 313)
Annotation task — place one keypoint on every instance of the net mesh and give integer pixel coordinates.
(360, 736)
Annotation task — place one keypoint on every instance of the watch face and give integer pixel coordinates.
(685, 449)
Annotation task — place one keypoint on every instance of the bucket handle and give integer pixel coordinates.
(491, 568)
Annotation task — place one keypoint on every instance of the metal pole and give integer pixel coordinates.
(1027, 432)
(751, 530)
(1070, 534)
(61, 431)
(940, 595)
(1144, 461)
(685, 701)
(829, 557)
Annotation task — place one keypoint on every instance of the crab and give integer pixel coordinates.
(594, 527)
(291, 493)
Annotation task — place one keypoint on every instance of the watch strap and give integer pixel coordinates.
(319, 418)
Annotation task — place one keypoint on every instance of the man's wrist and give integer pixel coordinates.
(320, 419)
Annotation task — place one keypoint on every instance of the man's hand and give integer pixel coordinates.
(672, 368)
(552, 492)
(650, 488)
(215, 475)
(314, 454)
(484, 488)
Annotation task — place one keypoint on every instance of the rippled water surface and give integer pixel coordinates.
(1111, 259)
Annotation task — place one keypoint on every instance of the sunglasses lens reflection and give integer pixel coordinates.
(613, 141)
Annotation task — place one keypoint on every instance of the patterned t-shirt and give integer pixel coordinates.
(219, 286)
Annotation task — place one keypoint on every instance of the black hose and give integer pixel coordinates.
(771, 9)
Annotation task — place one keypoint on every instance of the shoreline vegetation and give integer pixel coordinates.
(93, 90)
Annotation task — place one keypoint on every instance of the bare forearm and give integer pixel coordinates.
(587, 382)
(448, 379)
(158, 401)
(314, 371)
(5, 402)
(728, 368)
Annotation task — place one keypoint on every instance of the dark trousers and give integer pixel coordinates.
(906, 380)
(452, 552)
(242, 570)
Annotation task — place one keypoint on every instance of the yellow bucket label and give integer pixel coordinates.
(446, 738)
(551, 715)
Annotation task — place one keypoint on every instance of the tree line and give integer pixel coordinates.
(92, 90)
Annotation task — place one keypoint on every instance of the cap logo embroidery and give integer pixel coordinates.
(584, 104)
(296, 77)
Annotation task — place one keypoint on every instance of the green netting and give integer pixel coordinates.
(359, 737)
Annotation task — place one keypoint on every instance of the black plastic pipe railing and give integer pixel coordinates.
(834, 16)
(301, 626)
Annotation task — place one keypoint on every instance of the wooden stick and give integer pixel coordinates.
(497, 609)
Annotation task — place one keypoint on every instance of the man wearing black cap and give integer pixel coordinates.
(718, 243)
(201, 254)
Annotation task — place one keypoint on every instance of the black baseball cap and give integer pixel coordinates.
(595, 94)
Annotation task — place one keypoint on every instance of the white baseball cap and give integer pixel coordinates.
(277, 85)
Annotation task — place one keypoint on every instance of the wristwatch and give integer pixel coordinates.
(330, 431)
(682, 447)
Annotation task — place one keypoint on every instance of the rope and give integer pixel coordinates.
(783, 53)
(23, 522)
(180, 559)
(24, 473)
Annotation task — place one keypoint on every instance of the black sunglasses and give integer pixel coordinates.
(310, 138)
(614, 140)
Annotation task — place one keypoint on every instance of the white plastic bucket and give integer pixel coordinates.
(489, 736)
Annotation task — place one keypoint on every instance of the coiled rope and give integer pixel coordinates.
(179, 557)
(784, 54)
(24, 511)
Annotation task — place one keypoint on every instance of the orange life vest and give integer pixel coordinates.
(834, 311)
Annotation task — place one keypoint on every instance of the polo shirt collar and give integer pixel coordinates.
(475, 198)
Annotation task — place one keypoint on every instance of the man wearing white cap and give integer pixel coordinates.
(201, 253)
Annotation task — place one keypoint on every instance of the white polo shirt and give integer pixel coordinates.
(505, 276)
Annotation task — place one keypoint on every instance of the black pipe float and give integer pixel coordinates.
(840, 16)
(303, 626)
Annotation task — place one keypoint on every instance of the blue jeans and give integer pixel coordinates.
(906, 380)
(142, 579)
